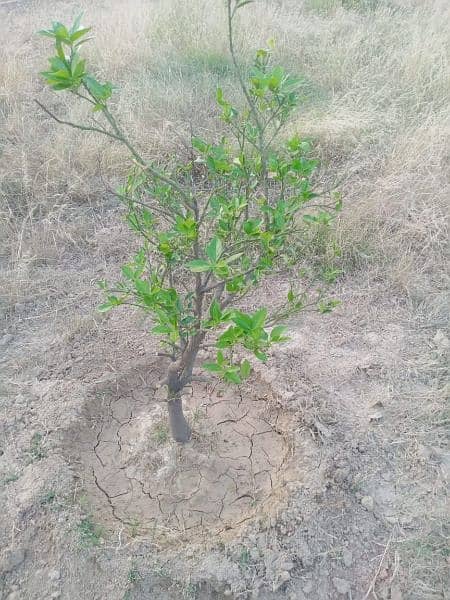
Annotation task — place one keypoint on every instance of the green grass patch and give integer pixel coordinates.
(90, 533)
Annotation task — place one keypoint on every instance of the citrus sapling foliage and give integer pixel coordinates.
(214, 226)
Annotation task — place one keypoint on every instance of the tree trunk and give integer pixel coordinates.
(179, 374)
(179, 427)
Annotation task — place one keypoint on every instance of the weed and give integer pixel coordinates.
(244, 558)
(133, 575)
(161, 571)
(197, 415)
(48, 498)
(190, 591)
(9, 478)
(134, 527)
(36, 450)
(90, 533)
(161, 433)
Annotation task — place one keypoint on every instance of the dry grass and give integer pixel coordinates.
(377, 92)
(376, 101)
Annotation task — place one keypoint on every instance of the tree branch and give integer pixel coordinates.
(77, 125)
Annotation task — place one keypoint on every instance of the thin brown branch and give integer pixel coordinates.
(77, 125)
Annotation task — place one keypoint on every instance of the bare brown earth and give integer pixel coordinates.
(232, 470)
(316, 481)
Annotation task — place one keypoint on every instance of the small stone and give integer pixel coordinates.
(308, 587)
(376, 416)
(396, 593)
(341, 585)
(227, 592)
(441, 341)
(13, 596)
(287, 565)
(342, 474)
(54, 574)
(55, 595)
(13, 560)
(282, 578)
(367, 502)
(347, 557)
(373, 338)
(6, 339)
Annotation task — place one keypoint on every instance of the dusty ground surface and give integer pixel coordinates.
(326, 476)
(363, 495)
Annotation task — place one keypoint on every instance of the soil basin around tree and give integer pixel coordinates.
(133, 476)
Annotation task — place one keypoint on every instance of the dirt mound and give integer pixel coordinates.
(233, 470)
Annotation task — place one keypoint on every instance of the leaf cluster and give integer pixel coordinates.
(215, 226)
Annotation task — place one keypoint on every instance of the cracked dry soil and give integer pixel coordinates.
(234, 469)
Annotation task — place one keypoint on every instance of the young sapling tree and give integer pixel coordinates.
(214, 226)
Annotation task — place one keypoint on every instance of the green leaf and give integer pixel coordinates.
(259, 318)
(277, 334)
(232, 258)
(245, 369)
(79, 68)
(128, 272)
(163, 329)
(99, 91)
(78, 34)
(58, 65)
(244, 321)
(252, 226)
(61, 32)
(229, 337)
(199, 145)
(215, 311)
(232, 376)
(214, 367)
(261, 355)
(198, 266)
(326, 306)
(219, 96)
(105, 307)
(76, 24)
(214, 249)
(47, 33)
